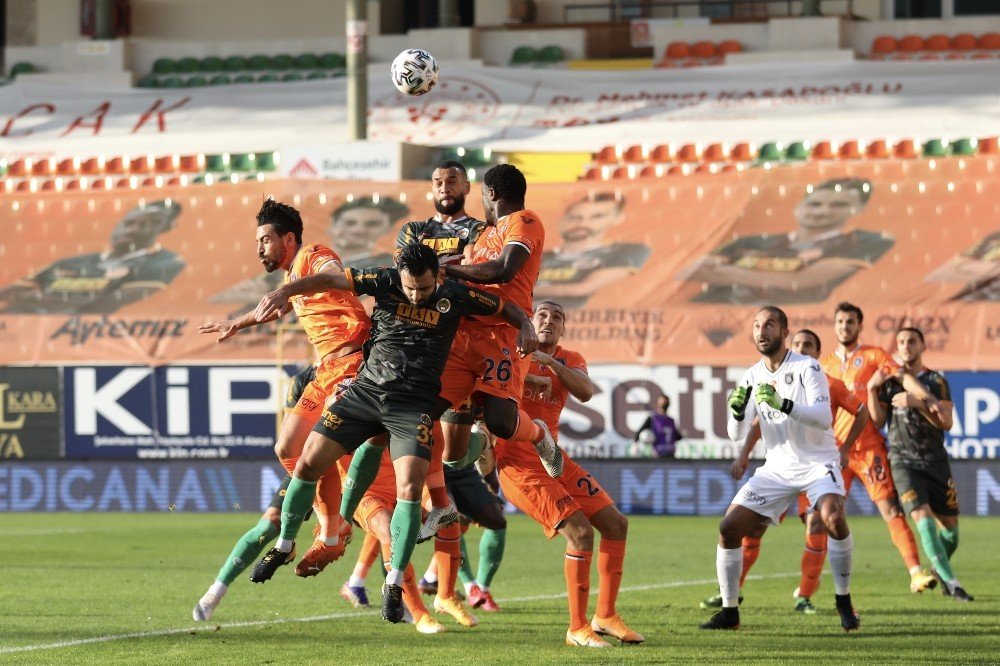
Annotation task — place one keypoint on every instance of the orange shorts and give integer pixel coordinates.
(484, 360)
(551, 501)
(331, 375)
(371, 505)
(872, 467)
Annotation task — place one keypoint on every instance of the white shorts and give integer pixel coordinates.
(770, 492)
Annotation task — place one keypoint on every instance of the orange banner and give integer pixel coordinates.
(659, 271)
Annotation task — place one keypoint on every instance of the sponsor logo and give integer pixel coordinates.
(303, 169)
(788, 378)
(416, 315)
(332, 421)
(563, 502)
(426, 420)
(79, 330)
(908, 497)
(857, 362)
(720, 331)
(760, 500)
(443, 306)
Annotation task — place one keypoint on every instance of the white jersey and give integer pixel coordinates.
(802, 437)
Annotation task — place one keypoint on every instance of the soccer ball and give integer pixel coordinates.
(414, 72)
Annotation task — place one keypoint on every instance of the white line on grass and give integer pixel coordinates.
(334, 616)
(44, 532)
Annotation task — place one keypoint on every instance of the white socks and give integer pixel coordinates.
(356, 581)
(394, 577)
(728, 567)
(284, 545)
(218, 589)
(839, 552)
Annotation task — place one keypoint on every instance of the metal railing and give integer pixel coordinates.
(623, 10)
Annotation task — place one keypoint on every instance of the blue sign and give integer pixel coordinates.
(976, 432)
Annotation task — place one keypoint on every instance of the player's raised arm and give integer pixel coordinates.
(275, 304)
(740, 406)
(576, 380)
(229, 327)
(498, 271)
(527, 339)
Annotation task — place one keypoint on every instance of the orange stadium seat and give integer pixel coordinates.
(877, 150)
(989, 146)
(742, 152)
(117, 165)
(607, 155)
(621, 173)
(911, 44)
(651, 171)
(883, 45)
(662, 154)
(43, 167)
(937, 43)
(729, 46)
(634, 154)
(20, 168)
(143, 164)
(905, 149)
(192, 163)
(689, 153)
(92, 166)
(68, 167)
(75, 184)
(101, 183)
(963, 42)
(822, 150)
(989, 41)
(592, 173)
(49, 185)
(677, 50)
(704, 168)
(703, 50)
(23, 186)
(167, 163)
(727, 168)
(849, 150)
(677, 170)
(716, 152)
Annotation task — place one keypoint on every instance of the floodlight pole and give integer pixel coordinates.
(357, 69)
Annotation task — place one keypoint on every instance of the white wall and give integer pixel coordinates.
(57, 21)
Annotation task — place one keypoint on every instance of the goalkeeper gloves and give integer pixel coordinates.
(738, 399)
(765, 394)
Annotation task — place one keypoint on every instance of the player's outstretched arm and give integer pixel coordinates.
(527, 339)
(229, 327)
(498, 271)
(275, 304)
(576, 380)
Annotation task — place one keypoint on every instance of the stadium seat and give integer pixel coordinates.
(911, 44)
(905, 149)
(268, 78)
(551, 54)
(593, 173)
(634, 154)
(988, 145)
(148, 82)
(164, 66)
(210, 64)
(678, 50)
(332, 61)
(822, 150)
(234, 63)
(650, 171)
(703, 50)
(935, 148)
(19, 168)
(117, 165)
(186, 66)
(43, 167)
(172, 82)
(937, 43)
(306, 61)
(607, 155)
(622, 173)
(877, 150)
(244, 78)
(963, 147)
(742, 152)
(192, 163)
(704, 168)
(769, 152)
(267, 161)
(729, 46)
(93, 166)
(963, 42)
(217, 163)
(195, 81)
(689, 153)
(68, 167)
(883, 45)
(662, 154)
(677, 170)
(282, 61)
(142, 164)
(220, 80)
(524, 55)
(313, 76)
(291, 76)
(989, 41)
(166, 163)
(242, 162)
(258, 63)
(50, 185)
(849, 150)
(729, 168)
(715, 152)
(797, 151)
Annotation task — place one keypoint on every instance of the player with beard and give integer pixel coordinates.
(855, 364)
(791, 398)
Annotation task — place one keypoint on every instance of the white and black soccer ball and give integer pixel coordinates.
(414, 72)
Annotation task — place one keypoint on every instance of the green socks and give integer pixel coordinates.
(403, 532)
(246, 551)
(477, 442)
(298, 498)
(465, 571)
(934, 548)
(364, 468)
(490, 554)
(950, 540)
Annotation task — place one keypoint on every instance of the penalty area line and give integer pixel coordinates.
(331, 616)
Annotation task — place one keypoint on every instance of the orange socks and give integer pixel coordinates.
(812, 563)
(289, 464)
(527, 430)
(327, 505)
(610, 561)
(448, 555)
(366, 557)
(577, 570)
(751, 549)
(903, 539)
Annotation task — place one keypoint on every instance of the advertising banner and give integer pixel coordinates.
(686, 488)
(176, 412)
(517, 109)
(652, 272)
(368, 160)
(30, 405)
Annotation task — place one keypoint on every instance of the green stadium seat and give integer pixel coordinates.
(313, 76)
(172, 82)
(234, 64)
(551, 54)
(22, 68)
(196, 81)
(266, 162)
(963, 147)
(282, 61)
(244, 78)
(242, 162)
(217, 163)
(220, 80)
(187, 66)
(164, 66)
(258, 63)
(797, 151)
(306, 61)
(332, 61)
(769, 152)
(292, 76)
(524, 55)
(268, 78)
(210, 64)
(935, 148)
(148, 82)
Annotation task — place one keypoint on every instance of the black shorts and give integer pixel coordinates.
(461, 415)
(365, 410)
(933, 486)
(469, 491)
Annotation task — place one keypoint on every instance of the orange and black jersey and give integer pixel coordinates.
(409, 344)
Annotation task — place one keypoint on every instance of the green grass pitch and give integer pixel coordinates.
(119, 588)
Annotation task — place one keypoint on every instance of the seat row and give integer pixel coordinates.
(683, 54)
(936, 47)
(141, 165)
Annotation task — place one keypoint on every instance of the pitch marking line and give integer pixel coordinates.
(334, 616)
